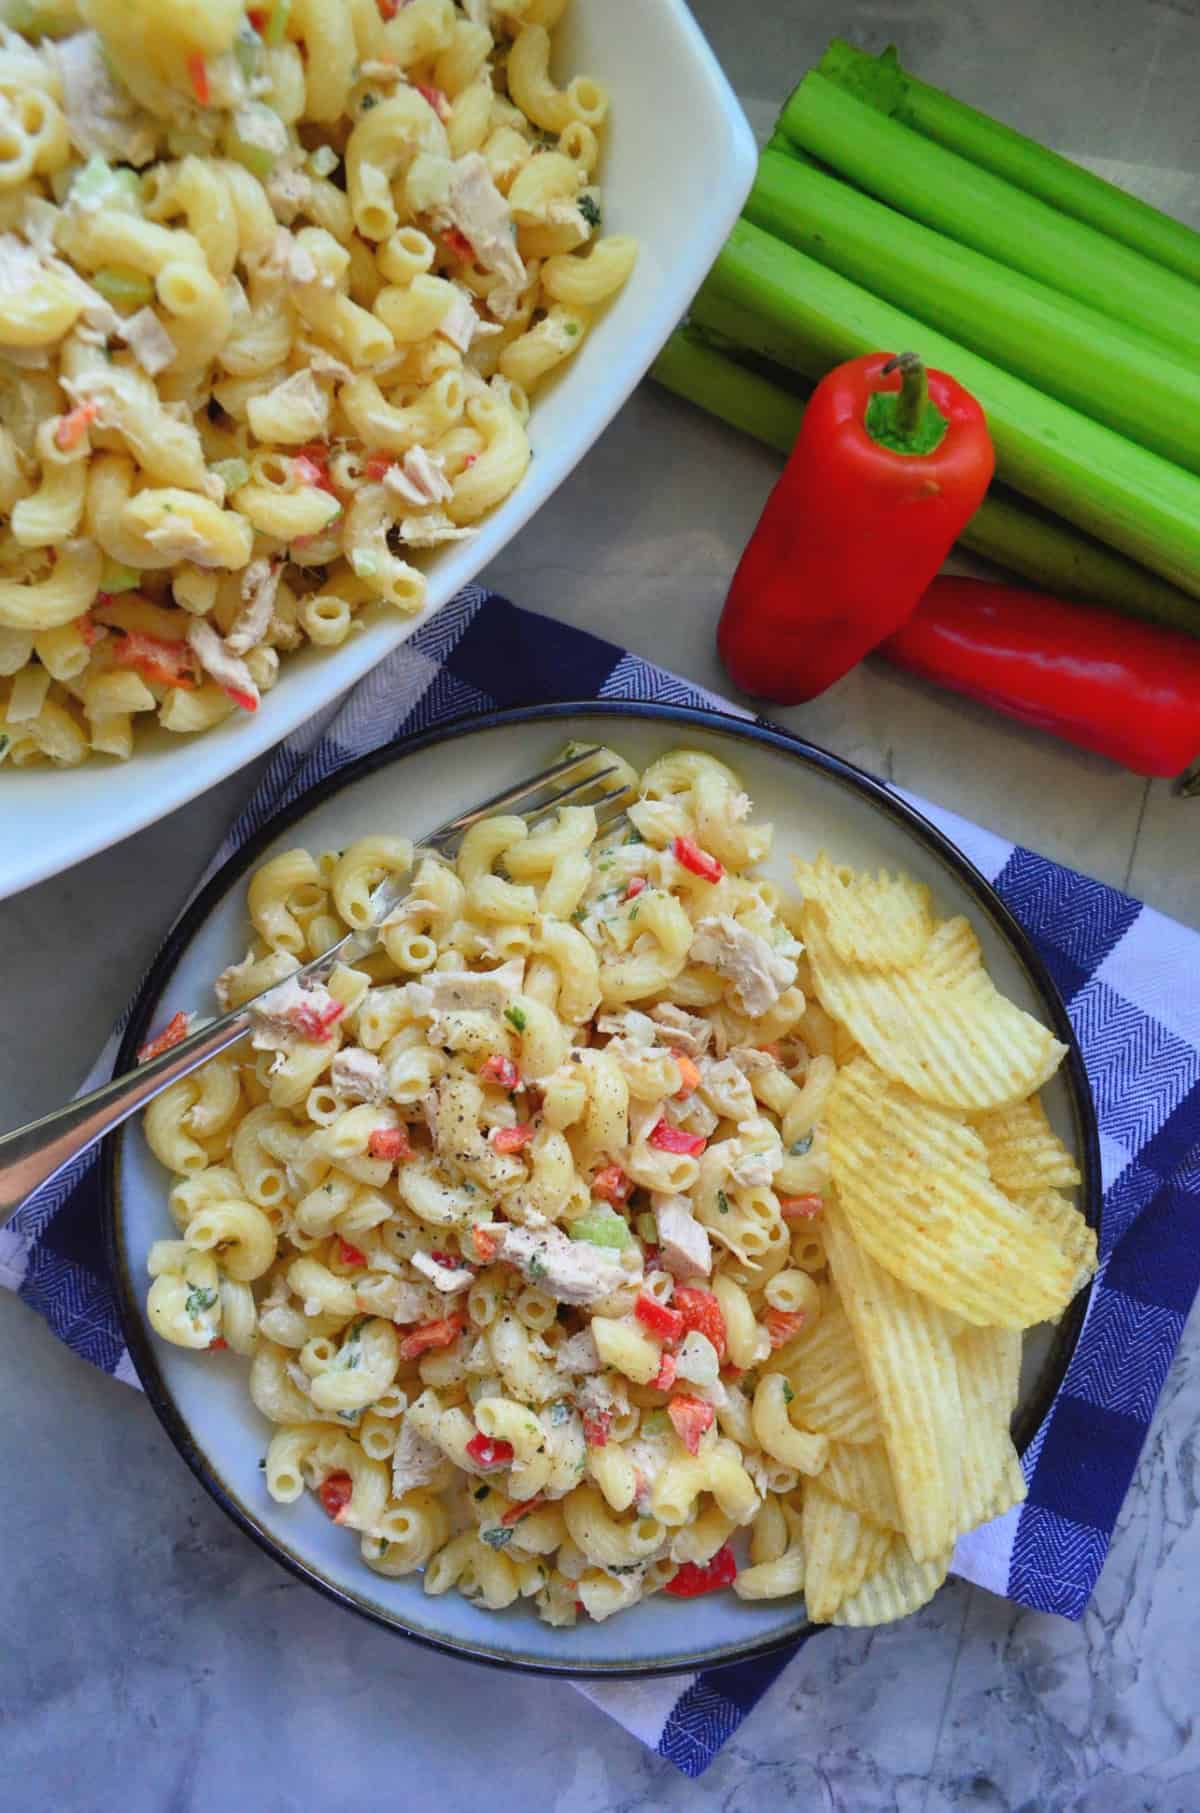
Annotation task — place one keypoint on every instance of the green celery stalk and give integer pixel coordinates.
(1011, 533)
(978, 209)
(774, 300)
(691, 366)
(882, 82)
(1070, 351)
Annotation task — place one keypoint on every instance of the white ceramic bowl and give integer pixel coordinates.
(814, 800)
(679, 162)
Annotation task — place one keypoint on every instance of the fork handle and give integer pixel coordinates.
(34, 1154)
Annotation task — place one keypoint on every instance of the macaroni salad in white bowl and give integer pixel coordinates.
(613, 1229)
(278, 287)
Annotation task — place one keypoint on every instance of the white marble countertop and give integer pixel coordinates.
(153, 1659)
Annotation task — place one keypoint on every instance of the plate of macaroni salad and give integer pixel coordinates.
(277, 285)
(631, 1224)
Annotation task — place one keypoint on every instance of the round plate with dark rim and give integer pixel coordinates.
(814, 800)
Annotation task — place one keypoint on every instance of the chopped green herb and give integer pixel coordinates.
(590, 209)
(635, 836)
(198, 1300)
(537, 1269)
(262, 1465)
(626, 1567)
(579, 915)
(482, 1493)
(516, 1017)
(570, 329)
(499, 1538)
(722, 1202)
(384, 1546)
(559, 1412)
(368, 101)
(633, 913)
(788, 1393)
(799, 1147)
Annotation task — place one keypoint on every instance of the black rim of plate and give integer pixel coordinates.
(845, 774)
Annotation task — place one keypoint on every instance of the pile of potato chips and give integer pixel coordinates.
(947, 1232)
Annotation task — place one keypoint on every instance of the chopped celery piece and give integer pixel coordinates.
(776, 301)
(647, 1228)
(1052, 178)
(946, 192)
(115, 578)
(246, 47)
(602, 1227)
(98, 185)
(1111, 372)
(277, 21)
(233, 474)
(123, 286)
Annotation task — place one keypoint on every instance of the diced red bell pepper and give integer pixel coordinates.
(311, 465)
(175, 1030)
(689, 1075)
(313, 1023)
(782, 1325)
(388, 9)
(73, 426)
(692, 1579)
(469, 461)
(596, 1426)
(377, 465)
(665, 1377)
(487, 1244)
(442, 1333)
(89, 631)
(198, 77)
(773, 1049)
(701, 1311)
(512, 1139)
(662, 1321)
(247, 700)
(453, 1262)
(458, 245)
(502, 1070)
(691, 1417)
(168, 663)
(391, 1143)
(611, 1185)
(521, 1509)
(636, 885)
(801, 1208)
(257, 18)
(350, 1255)
(688, 852)
(335, 1494)
(673, 1139)
(437, 98)
(217, 1342)
(489, 1453)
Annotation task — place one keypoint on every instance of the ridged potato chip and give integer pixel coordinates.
(960, 1046)
(1064, 1224)
(1024, 1152)
(913, 1182)
(953, 954)
(989, 1366)
(908, 1357)
(900, 1586)
(882, 921)
(859, 1475)
(840, 1550)
(830, 1393)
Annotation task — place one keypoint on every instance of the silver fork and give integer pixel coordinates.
(34, 1154)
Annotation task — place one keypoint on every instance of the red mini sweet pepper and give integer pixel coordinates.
(1125, 689)
(890, 464)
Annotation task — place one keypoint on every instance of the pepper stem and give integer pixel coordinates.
(914, 392)
(906, 420)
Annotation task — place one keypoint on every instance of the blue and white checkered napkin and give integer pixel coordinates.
(1128, 978)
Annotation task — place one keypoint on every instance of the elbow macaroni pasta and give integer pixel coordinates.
(282, 340)
(531, 1262)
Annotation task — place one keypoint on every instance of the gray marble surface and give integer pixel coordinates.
(153, 1661)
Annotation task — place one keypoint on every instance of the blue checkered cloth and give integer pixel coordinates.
(1128, 977)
